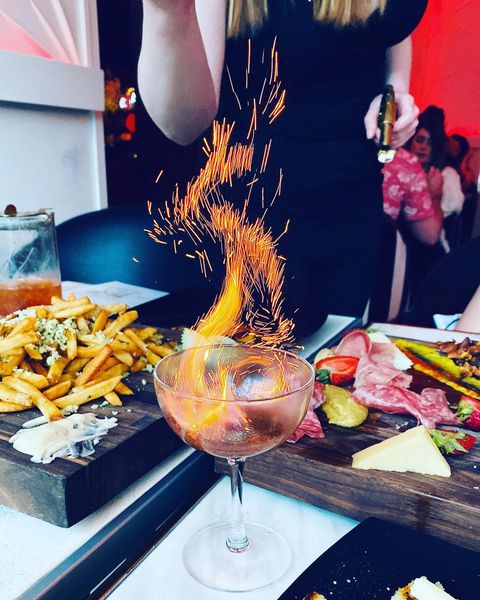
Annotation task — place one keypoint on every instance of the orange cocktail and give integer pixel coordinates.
(16, 294)
(234, 401)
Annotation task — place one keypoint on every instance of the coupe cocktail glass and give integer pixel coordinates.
(234, 402)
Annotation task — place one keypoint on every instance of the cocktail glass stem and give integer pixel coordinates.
(237, 540)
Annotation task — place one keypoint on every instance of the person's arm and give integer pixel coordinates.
(423, 203)
(427, 231)
(181, 63)
(399, 62)
(470, 320)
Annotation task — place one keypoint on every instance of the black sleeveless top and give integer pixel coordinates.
(331, 74)
(331, 191)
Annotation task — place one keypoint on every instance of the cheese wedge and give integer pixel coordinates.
(422, 589)
(413, 450)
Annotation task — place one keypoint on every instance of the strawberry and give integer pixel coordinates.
(452, 441)
(336, 370)
(468, 411)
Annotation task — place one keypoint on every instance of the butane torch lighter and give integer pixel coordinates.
(386, 121)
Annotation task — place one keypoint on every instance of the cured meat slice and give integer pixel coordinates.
(355, 343)
(376, 360)
(311, 425)
(376, 367)
(430, 407)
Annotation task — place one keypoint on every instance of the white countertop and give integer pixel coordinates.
(30, 548)
(308, 530)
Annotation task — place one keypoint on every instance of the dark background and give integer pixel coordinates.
(133, 165)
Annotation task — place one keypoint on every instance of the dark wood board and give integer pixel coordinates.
(67, 490)
(319, 472)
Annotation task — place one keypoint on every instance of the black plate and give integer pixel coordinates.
(376, 558)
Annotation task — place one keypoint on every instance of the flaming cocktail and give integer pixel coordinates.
(234, 401)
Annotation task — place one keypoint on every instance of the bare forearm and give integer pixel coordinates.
(399, 64)
(176, 81)
(428, 230)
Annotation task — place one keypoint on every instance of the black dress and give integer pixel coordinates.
(332, 183)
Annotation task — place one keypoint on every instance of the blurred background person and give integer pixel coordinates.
(458, 158)
(430, 146)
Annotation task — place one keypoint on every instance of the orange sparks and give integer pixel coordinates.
(158, 176)
(266, 154)
(253, 270)
(233, 88)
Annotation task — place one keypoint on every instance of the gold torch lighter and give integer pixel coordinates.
(386, 121)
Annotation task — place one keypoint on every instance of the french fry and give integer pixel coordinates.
(161, 350)
(89, 339)
(76, 365)
(18, 340)
(33, 352)
(39, 381)
(38, 367)
(120, 323)
(113, 399)
(74, 311)
(125, 357)
(27, 324)
(7, 394)
(123, 389)
(56, 369)
(136, 340)
(139, 365)
(7, 367)
(92, 367)
(90, 393)
(145, 333)
(120, 369)
(71, 344)
(100, 321)
(62, 305)
(46, 406)
(115, 308)
(82, 325)
(67, 377)
(89, 351)
(122, 346)
(110, 362)
(58, 390)
(153, 358)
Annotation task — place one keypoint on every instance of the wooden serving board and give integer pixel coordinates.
(67, 490)
(319, 472)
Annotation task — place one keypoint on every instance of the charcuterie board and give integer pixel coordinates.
(319, 471)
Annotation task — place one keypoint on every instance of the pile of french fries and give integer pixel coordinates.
(72, 352)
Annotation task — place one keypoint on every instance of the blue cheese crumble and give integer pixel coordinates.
(52, 335)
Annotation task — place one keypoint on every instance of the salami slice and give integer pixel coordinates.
(430, 407)
(311, 425)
